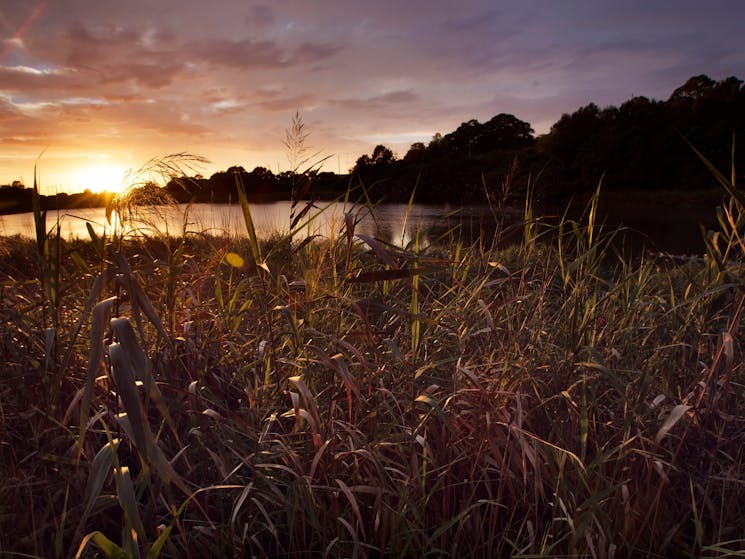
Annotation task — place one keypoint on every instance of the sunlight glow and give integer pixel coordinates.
(102, 177)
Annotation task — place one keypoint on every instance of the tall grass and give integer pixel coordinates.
(347, 397)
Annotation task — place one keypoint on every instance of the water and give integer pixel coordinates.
(395, 223)
(652, 227)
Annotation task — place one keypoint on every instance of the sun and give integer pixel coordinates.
(99, 178)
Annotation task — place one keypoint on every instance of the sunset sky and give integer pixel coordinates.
(101, 86)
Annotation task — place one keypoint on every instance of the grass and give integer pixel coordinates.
(189, 395)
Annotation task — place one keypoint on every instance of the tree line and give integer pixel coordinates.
(643, 144)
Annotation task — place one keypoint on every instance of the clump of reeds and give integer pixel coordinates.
(346, 397)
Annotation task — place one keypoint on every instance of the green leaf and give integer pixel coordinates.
(109, 548)
(248, 220)
(154, 552)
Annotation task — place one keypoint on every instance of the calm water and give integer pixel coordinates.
(656, 228)
(395, 223)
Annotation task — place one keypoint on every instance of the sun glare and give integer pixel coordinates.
(102, 177)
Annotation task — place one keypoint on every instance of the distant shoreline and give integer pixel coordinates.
(14, 200)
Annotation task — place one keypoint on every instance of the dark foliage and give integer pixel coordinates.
(643, 144)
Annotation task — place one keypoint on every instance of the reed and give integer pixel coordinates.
(346, 397)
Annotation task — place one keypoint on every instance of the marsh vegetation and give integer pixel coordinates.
(191, 395)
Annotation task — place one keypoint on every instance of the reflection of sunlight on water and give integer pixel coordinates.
(73, 223)
(394, 223)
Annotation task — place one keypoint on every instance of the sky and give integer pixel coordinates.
(92, 88)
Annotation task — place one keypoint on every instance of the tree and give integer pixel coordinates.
(381, 159)
(416, 154)
(262, 184)
(462, 140)
(435, 147)
(571, 132)
(382, 156)
(504, 131)
(695, 88)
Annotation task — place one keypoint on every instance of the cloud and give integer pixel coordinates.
(16, 128)
(261, 16)
(243, 54)
(42, 82)
(308, 52)
(8, 111)
(378, 102)
(150, 75)
(160, 117)
(286, 104)
(246, 54)
(79, 57)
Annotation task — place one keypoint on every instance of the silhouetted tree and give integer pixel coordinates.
(262, 184)
(382, 157)
(416, 154)
(693, 89)
(643, 143)
(503, 131)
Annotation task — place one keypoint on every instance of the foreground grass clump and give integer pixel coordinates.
(343, 397)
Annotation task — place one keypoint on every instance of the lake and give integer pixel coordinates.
(674, 230)
(395, 223)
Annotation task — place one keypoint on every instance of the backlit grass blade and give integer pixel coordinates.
(40, 217)
(157, 547)
(109, 548)
(249, 222)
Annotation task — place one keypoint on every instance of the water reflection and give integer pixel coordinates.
(650, 228)
(395, 223)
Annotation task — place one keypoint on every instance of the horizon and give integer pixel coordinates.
(102, 89)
